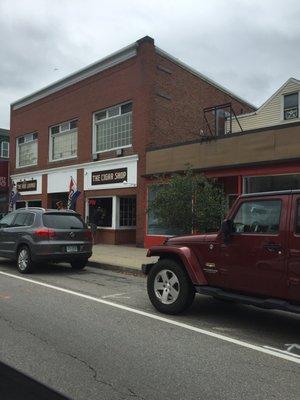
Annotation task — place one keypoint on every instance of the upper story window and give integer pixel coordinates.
(27, 150)
(4, 149)
(63, 141)
(291, 106)
(113, 128)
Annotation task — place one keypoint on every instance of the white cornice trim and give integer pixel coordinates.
(100, 163)
(201, 76)
(92, 69)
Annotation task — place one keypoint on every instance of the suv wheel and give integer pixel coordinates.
(78, 264)
(24, 262)
(169, 287)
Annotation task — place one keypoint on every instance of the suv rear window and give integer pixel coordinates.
(63, 221)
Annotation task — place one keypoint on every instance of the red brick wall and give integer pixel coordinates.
(156, 120)
(180, 118)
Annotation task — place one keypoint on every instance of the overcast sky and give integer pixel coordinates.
(251, 47)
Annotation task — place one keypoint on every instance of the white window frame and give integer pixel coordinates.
(107, 118)
(115, 221)
(282, 107)
(61, 133)
(7, 143)
(17, 149)
(118, 215)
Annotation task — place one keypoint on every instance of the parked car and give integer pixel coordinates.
(33, 235)
(253, 259)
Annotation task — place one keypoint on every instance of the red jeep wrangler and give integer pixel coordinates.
(253, 259)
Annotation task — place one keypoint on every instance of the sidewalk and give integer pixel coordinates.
(119, 257)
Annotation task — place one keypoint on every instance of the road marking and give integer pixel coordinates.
(115, 295)
(192, 328)
(282, 351)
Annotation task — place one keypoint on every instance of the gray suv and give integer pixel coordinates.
(33, 235)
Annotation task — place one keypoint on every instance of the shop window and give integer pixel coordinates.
(113, 128)
(100, 211)
(63, 141)
(291, 106)
(127, 211)
(21, 204)
(27, 150)
(153, 226)
(4, 150)
(256, 184)
(31, 203)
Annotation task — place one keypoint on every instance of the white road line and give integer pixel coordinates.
(282, 351)
(162, 319)
(114, 295)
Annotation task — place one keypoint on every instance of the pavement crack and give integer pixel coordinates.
(19, 329)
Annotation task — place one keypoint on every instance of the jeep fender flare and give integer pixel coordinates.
(187, 258)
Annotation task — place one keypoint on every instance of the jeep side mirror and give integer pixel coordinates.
(227, 229)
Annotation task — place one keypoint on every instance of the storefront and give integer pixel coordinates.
(110, 189)
(107, 200)
(3, 188)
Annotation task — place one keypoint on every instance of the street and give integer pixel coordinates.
(94, 335)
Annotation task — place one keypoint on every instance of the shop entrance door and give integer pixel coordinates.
(56, 197)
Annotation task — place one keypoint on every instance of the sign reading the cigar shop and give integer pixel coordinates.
(27, 186)
(109, 176)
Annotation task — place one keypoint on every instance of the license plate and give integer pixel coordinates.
(71, 249)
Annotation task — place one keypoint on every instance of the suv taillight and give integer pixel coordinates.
(45, 233)
(88, 235)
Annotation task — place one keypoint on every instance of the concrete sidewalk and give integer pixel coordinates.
(119, 257)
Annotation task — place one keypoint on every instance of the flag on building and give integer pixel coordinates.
(73, 194)
(14, 196)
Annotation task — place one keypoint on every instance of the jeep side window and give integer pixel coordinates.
(298, 218)
(258, 216)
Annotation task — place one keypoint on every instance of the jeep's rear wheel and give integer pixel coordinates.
(169, 287)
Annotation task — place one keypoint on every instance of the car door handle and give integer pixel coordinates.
(273, 247)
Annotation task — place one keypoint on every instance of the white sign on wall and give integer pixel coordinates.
(18, 179)
(59, 181)
(94, 173)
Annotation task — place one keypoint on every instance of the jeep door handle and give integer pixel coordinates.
(273, 247)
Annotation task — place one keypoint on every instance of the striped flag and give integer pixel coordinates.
(73, 194)
(14, 196)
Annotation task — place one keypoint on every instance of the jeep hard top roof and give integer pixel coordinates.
(277, 193)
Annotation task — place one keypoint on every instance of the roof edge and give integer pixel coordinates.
(107, 62)
(201, 76)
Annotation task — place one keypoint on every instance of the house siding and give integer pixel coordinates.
(269, 114)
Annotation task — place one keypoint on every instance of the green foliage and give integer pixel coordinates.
(189, 203)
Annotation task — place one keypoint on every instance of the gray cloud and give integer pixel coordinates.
(251, 47)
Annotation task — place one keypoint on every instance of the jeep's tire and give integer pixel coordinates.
(24, 261)
(79, 264)
(169, 287)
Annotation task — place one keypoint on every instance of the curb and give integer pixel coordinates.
(116, 268)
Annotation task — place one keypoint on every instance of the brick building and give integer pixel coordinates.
(4, 156)
(96, 126)
(254, 152)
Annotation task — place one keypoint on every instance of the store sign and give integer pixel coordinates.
(27, 186)
(109, 176)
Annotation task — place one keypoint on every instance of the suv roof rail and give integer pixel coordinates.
(30, 208)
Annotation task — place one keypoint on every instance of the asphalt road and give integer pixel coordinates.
(94, 335)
